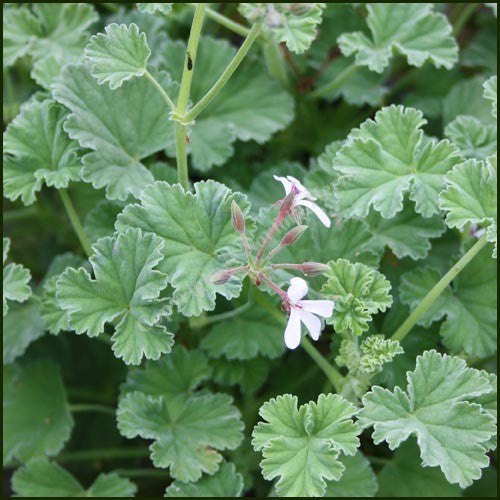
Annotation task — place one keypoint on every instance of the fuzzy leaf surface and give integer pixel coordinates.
(16, 280)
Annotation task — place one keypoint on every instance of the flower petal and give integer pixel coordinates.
(292, 331)
(320, 307)
(317, 211)
(312, 323)
(286, 183)
(297, 289)
(303, 192)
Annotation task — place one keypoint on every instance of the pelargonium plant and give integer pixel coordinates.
(249, 249)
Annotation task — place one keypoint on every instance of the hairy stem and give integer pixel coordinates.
(237, 28)
(436, 291)
(160, 89)
(336, 83)
(78, 408)
(75, 221)
(226, 74)
(275, 62)
(187, 76)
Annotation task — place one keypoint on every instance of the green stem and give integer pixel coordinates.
(154, 473)
(336, 83)
(226, 75)
(464, 17)
(187, 76)
(275, 62)
(216, 318)
(160, 89)
(436, 291)
(331, 373)
(78, 408)
(75, 221)
(225, 21)
(20, 213)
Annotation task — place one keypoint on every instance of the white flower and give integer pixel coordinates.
(304, 311)
(303, 197)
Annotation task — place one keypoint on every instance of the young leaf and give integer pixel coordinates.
(474, 139)
(118, 55)
(15, 280)
(198, 235)
(378, 351)
(225, 483)
(470, 195)
(126, 289)
(451, 431)
(117, 145)
(294, 24)
(410, 29)
(251, 333)
(358, 479)
(358, 292)
(302, 445)
(38, 151)
(33, 423)
(490, 93)
(40, 478)
(388, 156)
(185, 439)
(470, 306)
(152, 8)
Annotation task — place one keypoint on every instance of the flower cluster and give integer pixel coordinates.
(258, 269)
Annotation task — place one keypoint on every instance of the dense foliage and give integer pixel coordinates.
(249, 249)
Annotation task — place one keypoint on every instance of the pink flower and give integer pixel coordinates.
(304, 311)
(302, 197)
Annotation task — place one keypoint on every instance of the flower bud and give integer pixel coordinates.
(237, 218)
(220, 277)
(286, 205)
(313, 268)
(292, 236)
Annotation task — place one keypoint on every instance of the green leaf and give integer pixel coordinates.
(175, 376)
(294, 24)
(40, 478)
(186, 438)
(386, 157)
(118, 145)
(16, 280)
(409, 29)
(358, 479)
(404, 476)
(251, 106)
(489, 403)
(118, 55)
(22, 326)
(358, 292)
(451, 431)
(34, 424)
(249, 374)
(198, 235)
(251, 333)
(225, 483)
(302, 445)
(490, 93)
(40, 152)
(152, 8)
(126, 290)
(470, 195)
(474, 139)
(378, 351)
(470, 306)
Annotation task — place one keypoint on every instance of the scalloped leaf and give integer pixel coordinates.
(118, 55)
(358, 292)
(470, 195)
(34, 424)
(198, 239)
(490, 93)
(413, 30)
(301, 446)
(186, 439)
(125, 290)
(118, 146)
(40, 478)
(152, 8)
(225, 483)
(451, 431)
(387, 157)
(16, 280)
(295, 24)
(38, 151)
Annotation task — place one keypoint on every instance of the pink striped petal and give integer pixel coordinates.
(286, 183)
